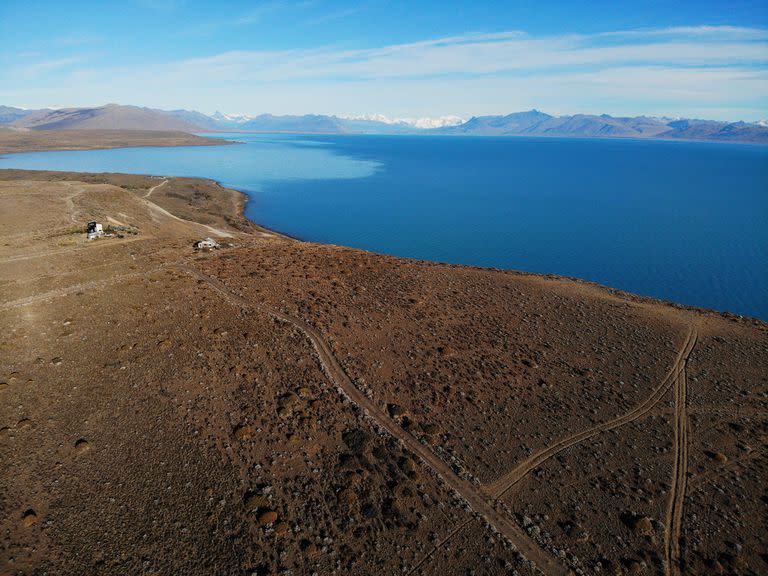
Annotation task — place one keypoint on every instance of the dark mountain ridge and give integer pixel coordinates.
(529, 123)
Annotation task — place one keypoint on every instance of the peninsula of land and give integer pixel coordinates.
(36, 141)
(274, 407)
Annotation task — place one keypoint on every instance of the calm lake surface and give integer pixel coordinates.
(682, 221)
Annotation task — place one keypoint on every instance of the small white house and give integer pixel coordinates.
(207, 244)
(94, 230)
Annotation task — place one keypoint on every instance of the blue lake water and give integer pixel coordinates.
(682, 221)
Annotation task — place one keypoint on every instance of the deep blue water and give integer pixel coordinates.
(683, 221)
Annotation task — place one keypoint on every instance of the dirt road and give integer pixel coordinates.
(477, 502)
(149, 192)
(502, 485)
(674, 517)
(155, 209)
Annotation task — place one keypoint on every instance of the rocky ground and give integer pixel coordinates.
(277, 407)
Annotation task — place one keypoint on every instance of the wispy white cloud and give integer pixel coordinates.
(331, 16)
(664, 71)
(739, 32)
(77, 39)
(44, 67)
(258, 13)
(481, 54)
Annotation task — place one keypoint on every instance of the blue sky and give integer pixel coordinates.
(401, 59)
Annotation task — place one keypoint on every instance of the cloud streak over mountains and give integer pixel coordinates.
(482, 54)
(710, 71)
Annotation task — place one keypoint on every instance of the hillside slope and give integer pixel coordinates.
(111, 117)
(277, 407)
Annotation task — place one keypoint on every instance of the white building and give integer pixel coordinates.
(207, 244)
(94, 230)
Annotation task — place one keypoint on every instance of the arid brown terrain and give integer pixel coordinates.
(29, 140)
(279, 407)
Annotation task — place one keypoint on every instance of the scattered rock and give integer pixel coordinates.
(396, 411)
(287, 403)
(644, 525)
(82, 446)
(28, 518)
(243, 432)
(268, 517)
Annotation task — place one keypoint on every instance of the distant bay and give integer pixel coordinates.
(681, 221)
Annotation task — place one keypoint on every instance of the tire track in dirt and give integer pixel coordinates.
(437, 547)
(501, 521)
(673, 521)
(69, 200)
(93, 246)
(502, 485)
(61, 292)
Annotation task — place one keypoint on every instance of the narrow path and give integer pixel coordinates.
(499, 487)
(159, 209)
(60, 292)
(149, 192)
(78, 248)
(673, 521)
(69, 200)
(480, 504)
(502, 485)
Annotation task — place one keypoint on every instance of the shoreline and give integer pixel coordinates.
(134, 139)
(624, 294)
(612, 291)
(23, 141)
(274, 369)
(583, 281)
(609, 290)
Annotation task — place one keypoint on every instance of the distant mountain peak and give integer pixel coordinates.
(528, 123)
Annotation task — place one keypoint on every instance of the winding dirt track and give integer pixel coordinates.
(502, 485)
(149, 192)
(154, 208)
(673, 520)
(477, 501)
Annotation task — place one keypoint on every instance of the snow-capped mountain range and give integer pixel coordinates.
(530, 123)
